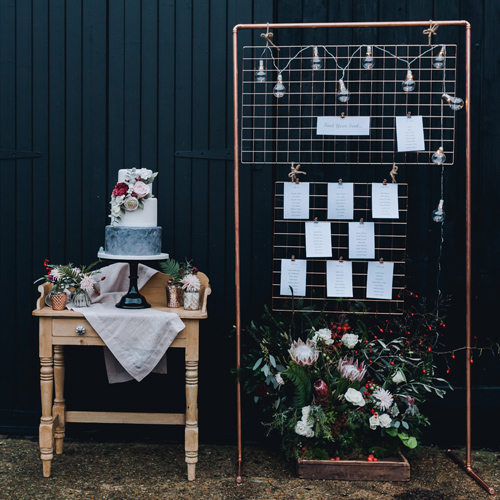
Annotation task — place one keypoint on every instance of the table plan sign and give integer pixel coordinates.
(385, 201)
(410, 133)
(343, 125)
(361, 240)
(379, 280)
(318, 239)
(296, 200)
(339, 279)
(340, 200)
(293, 274)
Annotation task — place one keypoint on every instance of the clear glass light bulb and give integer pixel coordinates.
(439, 157)
(409, 83)
(368, 62)
(439, 214)
(455, 103)
(316, 60)
(439, 59)
(260, 74)
(279, 89)
(343, 93)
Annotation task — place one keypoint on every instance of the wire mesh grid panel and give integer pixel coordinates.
(283, 129)
(390, 245)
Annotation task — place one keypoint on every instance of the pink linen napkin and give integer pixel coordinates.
(136, 340)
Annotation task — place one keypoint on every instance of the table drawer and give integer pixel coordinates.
(67, 327)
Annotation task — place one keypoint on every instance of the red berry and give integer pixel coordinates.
(375, 459)
(337, 458)
(370, 459)
(332, 459)
(304, 448)
(425, 371)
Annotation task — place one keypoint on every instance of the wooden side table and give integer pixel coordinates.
(61, 328)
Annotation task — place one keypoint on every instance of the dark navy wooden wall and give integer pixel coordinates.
(95, 86)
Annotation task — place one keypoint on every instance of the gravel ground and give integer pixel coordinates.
(123, 471)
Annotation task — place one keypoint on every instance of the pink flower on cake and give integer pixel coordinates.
(121, 189)
(140, 189)
(131, 204)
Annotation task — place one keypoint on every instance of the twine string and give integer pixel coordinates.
(294, 171)
(431, 30)
(394, 172)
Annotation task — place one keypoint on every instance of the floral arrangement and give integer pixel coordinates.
(337, 387)
(67, 277)
(182, 275)
(130, 194)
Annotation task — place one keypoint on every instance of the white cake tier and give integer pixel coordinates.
(141, 218)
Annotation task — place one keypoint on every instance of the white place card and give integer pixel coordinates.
(340, 200)
(318, 239)
(296, 200)
(379, 280)
(338, 278)
(293, 274)
(361, 240)
(410, 133)
(349, 125)
(385, 201)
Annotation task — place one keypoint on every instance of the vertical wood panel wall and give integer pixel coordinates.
(96, 86)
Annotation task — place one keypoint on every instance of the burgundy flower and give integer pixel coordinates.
(121, 189)
(195, 270)
(411, 401)
(321, 388)
(261, 390)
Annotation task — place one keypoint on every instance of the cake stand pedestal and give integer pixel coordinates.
(132, 299)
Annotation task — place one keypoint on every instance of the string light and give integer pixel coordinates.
(368, 62)
(439, 157)
(409, 83)
(455, 103)
(343, 93)
(316, 60)
(439, 59)
(260, 74)
(279, 89)
(439, 214)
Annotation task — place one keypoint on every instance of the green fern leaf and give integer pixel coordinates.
(303, 390)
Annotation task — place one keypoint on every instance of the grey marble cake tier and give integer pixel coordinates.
(133, 240)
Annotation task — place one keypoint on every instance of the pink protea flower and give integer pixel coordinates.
(351, 369)
(303, 353)
(384, 398)
(191, 283)
(321, 388)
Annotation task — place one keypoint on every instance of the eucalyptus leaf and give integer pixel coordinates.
(257, 364)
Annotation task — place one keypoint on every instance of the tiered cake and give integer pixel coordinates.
(134, 211)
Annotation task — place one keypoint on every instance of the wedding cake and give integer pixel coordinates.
(134, 226)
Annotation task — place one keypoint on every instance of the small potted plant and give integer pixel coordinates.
(182, 279)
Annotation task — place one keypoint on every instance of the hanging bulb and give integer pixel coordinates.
(260, 74)
(316, 60)
(409, 83)
(368, 62)
(439, 59)
(279, 89)
(455, 103)
(439, 214)
(343, 93)
(439, 157)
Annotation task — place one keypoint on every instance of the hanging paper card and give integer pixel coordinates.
(410, 133)
(293, 274)
(361, 240)
(340, 200)
(338, 279)
(296, 200)
(385, 201)
(348, 125)
(379, 280)
(318, 239)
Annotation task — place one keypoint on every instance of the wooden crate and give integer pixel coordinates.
(384, 469)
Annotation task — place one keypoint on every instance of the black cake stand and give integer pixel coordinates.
(132, 299)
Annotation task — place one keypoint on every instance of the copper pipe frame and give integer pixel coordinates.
(467, 466)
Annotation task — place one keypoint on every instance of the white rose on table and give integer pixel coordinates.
(140, 189)
(325, 335)
(399, 377)
(350, 340)
(374, 423)
(385, 420)
(354, 397)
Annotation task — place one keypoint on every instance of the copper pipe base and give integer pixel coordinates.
(472, 474)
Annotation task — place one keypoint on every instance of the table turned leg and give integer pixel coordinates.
(59, 408)
(47, 420)
(191, 432)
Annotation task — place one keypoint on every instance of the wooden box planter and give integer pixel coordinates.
(384, 469)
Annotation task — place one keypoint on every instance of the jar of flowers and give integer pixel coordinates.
(183, 285)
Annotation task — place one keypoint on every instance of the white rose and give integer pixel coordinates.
(349, 340)
(354, 397)
(374, 422)
(305, 413)
(119, 199)
(131, 204)
(279, 379)
(385, 420)
(116, 210)
(399, 377)
(302, 429)
(144, 173)
(325, 335)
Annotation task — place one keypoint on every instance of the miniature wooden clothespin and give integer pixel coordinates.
(431, 30)
(361, 221)
(294, 172)
(340, 182)
(316, 220)
(268, 35)
(381, 260)
(341, 259)
(385, 182)
(408, 115)
(342, 115)
(394, 172)
(293, 258)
